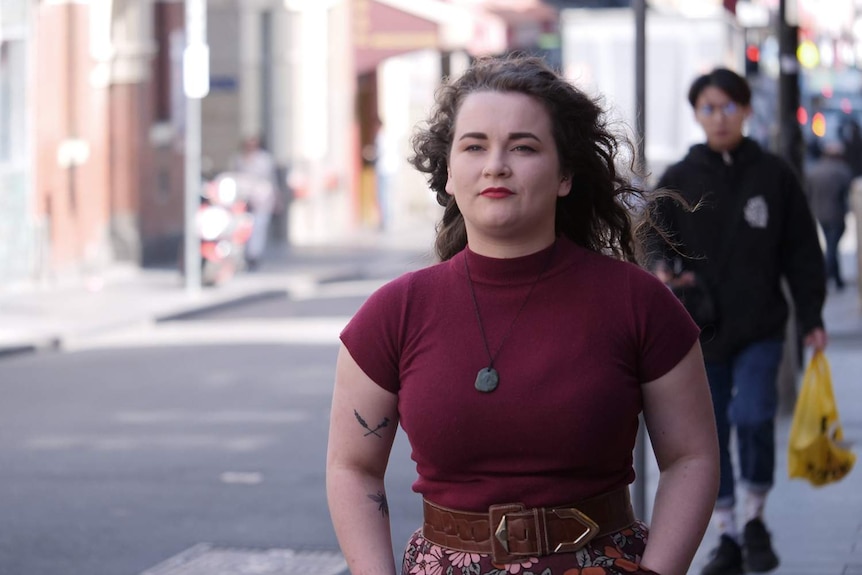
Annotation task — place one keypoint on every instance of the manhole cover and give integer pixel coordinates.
(206, 559)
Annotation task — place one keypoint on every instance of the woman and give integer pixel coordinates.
(519, 364)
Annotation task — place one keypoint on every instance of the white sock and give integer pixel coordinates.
(754, 504)
(724, 520)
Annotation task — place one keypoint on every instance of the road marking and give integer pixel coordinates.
(356, 288)
(293, 331)
(169, 442)
(241, 477)
(189, 417)
(206, 559)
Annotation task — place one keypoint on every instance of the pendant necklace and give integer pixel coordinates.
(488, 379)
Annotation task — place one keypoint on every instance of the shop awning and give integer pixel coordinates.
(385, 28)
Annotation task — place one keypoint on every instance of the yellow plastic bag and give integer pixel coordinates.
(816, 451)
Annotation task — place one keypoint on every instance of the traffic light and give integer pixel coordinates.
(752, 60)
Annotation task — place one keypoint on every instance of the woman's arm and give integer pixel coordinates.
(362, 428)
(681, 424)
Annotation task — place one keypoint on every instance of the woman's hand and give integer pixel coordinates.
(671, 280)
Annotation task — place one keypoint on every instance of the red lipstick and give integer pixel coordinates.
(496, 192)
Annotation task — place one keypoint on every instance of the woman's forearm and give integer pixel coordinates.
(360, 515)
(683, 505)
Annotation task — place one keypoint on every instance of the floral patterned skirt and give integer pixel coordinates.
(615, 554)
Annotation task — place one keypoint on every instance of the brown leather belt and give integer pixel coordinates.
(509, 532)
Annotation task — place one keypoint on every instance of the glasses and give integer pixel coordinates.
(726, 110)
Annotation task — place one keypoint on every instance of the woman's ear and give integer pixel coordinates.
(565, 186)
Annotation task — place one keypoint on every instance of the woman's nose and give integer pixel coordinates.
(496, 166)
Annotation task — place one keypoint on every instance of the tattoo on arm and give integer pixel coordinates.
(362, 422)
(382, 504)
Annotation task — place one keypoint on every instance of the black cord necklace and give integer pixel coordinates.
(488, 379)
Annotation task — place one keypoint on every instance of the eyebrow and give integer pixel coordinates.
(512, 136)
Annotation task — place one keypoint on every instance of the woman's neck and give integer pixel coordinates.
(508, 249)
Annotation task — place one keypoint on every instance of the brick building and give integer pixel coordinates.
(107, 135)
(92, 113)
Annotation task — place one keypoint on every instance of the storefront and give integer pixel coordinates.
(18, 231)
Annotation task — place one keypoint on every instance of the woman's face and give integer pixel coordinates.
(721, 118)
(504, 172)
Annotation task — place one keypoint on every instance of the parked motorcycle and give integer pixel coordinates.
(223, 224)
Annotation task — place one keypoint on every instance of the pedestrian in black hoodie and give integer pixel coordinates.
(750, 227)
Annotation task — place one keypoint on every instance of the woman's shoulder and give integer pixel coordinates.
(611, 275)
(408, 282)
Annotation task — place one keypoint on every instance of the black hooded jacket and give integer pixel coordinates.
(753, 227)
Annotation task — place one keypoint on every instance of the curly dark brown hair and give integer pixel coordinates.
(598, 214)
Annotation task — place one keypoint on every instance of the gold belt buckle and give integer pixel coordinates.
(590, 529)
(501, 551)
(502, 532)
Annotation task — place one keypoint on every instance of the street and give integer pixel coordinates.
(139, 444)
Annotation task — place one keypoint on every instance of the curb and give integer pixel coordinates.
(242, 295)
(13, 350)
(55, 343)
(242, 299)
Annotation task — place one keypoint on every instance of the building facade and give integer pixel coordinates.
(92, 115)
(102, 133)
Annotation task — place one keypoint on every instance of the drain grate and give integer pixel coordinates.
(206, 559)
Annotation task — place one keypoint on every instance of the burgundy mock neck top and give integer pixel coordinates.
(561, 425)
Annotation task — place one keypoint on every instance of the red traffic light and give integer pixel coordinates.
(752, 53)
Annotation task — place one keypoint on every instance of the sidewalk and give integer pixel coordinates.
(43, 317)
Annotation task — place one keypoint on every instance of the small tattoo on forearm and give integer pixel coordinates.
(380, 425)
(382, 504)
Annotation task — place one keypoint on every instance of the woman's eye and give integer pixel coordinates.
(524, 148)
(472, 147)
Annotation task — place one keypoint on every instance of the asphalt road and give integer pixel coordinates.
(138, 445)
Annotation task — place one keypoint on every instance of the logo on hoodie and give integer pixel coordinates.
(757, 212)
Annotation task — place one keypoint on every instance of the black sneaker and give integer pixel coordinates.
(726, 559)
(759, 556)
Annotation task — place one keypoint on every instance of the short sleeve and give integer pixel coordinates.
(374, 334)
(665, 330)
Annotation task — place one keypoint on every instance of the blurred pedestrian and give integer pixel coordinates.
(752, 227)
(386, 164)
(828, 182)
(258, 163)
(851, 139)
(519, 364)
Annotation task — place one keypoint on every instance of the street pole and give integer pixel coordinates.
(640, 82)
(195, 86)
(791, 148)
(790, 134)
(639, 486)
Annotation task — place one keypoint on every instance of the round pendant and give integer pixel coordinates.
(487, 380)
